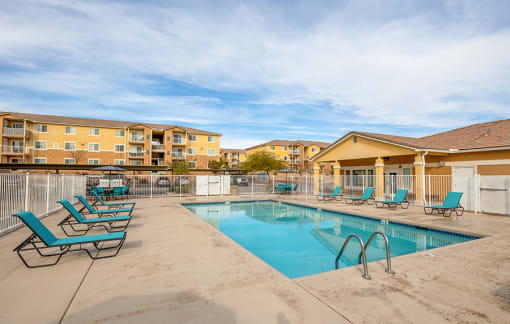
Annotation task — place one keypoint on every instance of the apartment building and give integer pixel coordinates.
(233, 156)
(296, 153)
(47, 139)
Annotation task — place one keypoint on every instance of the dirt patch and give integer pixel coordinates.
(503, 294)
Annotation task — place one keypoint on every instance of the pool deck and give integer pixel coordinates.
(176, 268)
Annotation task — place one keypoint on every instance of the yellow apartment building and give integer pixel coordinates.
(47, 139)
(297, 154)
(233, 156)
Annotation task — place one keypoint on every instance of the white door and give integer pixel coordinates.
(202, 185)
(225, 185)
(463, 181)
(214, 185)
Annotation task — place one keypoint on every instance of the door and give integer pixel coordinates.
(202, 186)
(463, 181)
(214, 185)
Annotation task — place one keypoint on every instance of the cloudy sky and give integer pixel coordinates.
(259, 70)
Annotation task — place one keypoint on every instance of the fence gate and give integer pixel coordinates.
(213, 185)
(463, 181)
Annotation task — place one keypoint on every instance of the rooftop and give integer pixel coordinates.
(227, 150)
(294, 142)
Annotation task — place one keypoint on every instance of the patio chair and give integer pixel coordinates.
(365, 198)
(450, 204)
(124, 192)
(334, 195)
(276, 189)
(282, 188)
(47, 245)
(288, 188)
(80, 225)
(117, 192)
(295, 188)
(101, 212)
(99, 191)
(399, 199)
(110, 205)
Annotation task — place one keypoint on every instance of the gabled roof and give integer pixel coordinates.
(288, 143)
(52, 119)
(226, 150)
(495, 134)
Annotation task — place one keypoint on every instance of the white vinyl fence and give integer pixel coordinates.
(35, 192)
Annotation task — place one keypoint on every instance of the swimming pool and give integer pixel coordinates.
(300, 241)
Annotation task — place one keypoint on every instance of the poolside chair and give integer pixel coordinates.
(101, 212)
(111, 205)
(80, 225)
(282, 188)
(450, 204)
(42, 240)
(295, 188)
(99, 191)
(365, 198)
(117, 192)
(399, 199)
(334, 195)
(276, 189)
(124, 192)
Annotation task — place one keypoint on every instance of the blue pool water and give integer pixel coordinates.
(300, 241)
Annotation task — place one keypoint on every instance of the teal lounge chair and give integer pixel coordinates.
(101, 212)
(47, 245)
(282, 188)
(334, 195)
(399, 199)
(365, 198)
(276, 189)
(80, 225)
(111, 205)
(295, 188)
(450, 204)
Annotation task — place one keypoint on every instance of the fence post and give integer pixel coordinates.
(322, 185)
(151, 184)
(273, 183)
(62, 178)
(48, 194)
(27, 191)
(252, 185)
(306, 186)
(72, 187)
(180, 186)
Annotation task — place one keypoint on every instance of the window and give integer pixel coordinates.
(284, 148)
(192, 151)
(211, 139)
(41, 128)
(370, 178)
(120, 133)
(136, 162)
(178, 139)
(284, 157)
(70, 130)
(192, 164)
(69, 161)
(94, 132)
(119, 148)
(40, 160)
(70, 146)
(272, 148)
(119, 162)
(407, 177)
(94, 161)
(355, 139)
(211, 152)
(40, 145)
(348, 177)
(93, 147)
(314, 150)
(192, 138)
(358, 178)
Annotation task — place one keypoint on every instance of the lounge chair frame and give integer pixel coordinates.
(109, 205)
(332, 196)
(360, 200)
(101, 212)
(446, 212)
(404, 204)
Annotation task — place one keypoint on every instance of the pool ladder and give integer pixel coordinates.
(362, 255)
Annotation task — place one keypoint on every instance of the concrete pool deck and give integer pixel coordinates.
(176, 268)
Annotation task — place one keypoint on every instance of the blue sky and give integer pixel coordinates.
(260, 70)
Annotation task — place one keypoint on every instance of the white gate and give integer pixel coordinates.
(463, 181)
(213, 185)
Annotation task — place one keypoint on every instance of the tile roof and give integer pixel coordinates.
(288, 142)
(52, 119)
(226, 150)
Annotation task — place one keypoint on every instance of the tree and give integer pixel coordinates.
(180, 167)
(261, 161)
(221, 164)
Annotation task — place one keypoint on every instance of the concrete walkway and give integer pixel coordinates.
(176, 268)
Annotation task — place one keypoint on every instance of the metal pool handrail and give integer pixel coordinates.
(365, 268)
(388, 256)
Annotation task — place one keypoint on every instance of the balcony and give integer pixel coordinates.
(178, 155)
(294, 161)
(179, 140)
(11, 131)
(158, 147)
(13, 150)
(158, 162)
(294, 152)
(136, 155)
(136, 138)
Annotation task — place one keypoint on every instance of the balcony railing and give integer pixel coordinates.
(136, 154)
(179, 141)
(158, 147)
(158, 162)
(136, 138)
(294, 151)
(13, 149)
(11, 131)
(178, 155)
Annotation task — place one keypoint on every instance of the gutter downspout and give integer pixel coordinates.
(423, 175)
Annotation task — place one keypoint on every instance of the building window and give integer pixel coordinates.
(69, 161)
(347, 177)
(93, 147)
(314, 150)
(192, 138)
(120, 133)
(370, 178)
(41, 128)
(192, 164)
(355, 139)
(192, 151)
(284, 157)
(70, 130)
(211, 139)
(70, 146)
(94, 132)
(272, 148)
(284, 148)
(211, 152)
(119, 148)
(40, 160)
(119, 162)
(40, 145)
(357, 178)
(136, 163)
(406, 172)
(94, 161)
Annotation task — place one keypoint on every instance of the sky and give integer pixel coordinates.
(261, 70)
